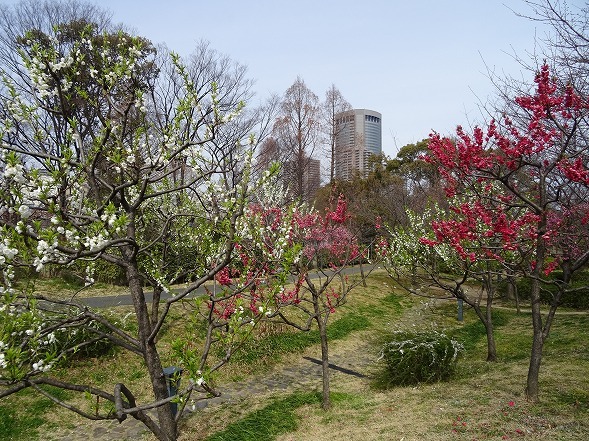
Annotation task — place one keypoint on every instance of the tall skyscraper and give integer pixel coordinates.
(358, 136)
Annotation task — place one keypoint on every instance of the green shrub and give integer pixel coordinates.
(33, 338)
(413, 357)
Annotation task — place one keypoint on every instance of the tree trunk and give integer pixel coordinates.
(487, 321)
(155, 304)
(332, 160)
(512, 291)
(362, 274)
(541, 332)
(326, 398)
(517, 307)
(490, 288)
(167, 425)
(486, 318)
(491, 348)
(532, 384)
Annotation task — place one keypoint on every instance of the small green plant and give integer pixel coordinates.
(413, 357)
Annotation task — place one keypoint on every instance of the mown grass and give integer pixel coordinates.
(483, 401)
(277, 418)
(267, 423)
(115, 366)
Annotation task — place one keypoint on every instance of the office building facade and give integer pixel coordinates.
(358, 136)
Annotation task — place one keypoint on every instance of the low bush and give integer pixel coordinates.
(413, 357)
(36, 339)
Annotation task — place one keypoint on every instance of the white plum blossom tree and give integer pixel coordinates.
(97, 166)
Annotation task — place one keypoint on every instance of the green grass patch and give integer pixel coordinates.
(576, 398)
(564, 337)
(395, 301)
(288, 342)
(473, 330)
(345, 326)
(279, 417)
(390, 306)
(16, 425)
(22, 415)
(267, 423)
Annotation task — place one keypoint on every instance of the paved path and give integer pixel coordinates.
(304, 374)
(125, 299)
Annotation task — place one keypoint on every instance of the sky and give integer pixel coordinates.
(423, 64)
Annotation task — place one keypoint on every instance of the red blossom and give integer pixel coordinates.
(575, 171)
(486, 165)
(223, 278)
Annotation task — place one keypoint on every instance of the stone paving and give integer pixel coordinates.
(354, 360)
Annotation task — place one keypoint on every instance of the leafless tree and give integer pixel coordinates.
(297, 131)
(334, 104)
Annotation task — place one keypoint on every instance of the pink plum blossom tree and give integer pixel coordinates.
(328, 246)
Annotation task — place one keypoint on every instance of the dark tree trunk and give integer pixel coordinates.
(326, 398)
(532, 383)
(155, 304)
(486, 318)
(321, 317)
(167, 425)
(532, 388)
(490, 288)
(362, 274)
(491, 348)
(512, 291)
(487, 321)
(542, 330)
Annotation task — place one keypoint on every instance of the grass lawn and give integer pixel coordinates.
(483, 401)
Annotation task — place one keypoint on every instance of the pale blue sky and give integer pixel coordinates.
(421, 63)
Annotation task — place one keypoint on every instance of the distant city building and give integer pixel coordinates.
(301, 175)
(358, 136)
(310, 175)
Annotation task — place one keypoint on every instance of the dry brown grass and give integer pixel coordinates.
(487, 406)
(485, 401)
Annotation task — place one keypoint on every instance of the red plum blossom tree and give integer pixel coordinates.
(525, 182)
